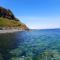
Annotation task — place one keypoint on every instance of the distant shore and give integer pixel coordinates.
(10, 31)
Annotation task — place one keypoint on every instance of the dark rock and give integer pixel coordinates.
(6, 13)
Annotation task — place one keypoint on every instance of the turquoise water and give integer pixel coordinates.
(31, 45)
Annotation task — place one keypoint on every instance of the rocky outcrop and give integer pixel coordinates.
(7, 13)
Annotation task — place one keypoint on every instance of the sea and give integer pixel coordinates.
(40, 44)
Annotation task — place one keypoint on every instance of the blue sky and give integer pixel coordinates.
(36, 14)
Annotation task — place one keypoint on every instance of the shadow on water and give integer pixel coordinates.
(7, 42)
(34, 45)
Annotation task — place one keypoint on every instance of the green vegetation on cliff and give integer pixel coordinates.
(8, 20)
(4, 22)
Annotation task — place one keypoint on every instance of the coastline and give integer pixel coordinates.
(10, 31)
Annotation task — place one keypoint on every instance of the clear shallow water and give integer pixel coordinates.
(31, 45)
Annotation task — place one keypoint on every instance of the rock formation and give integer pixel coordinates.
(7, 14)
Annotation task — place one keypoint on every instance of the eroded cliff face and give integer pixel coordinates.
(5, 15)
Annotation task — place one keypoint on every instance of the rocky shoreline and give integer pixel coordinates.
(10, 31)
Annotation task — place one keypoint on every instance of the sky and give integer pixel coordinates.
(36, 14)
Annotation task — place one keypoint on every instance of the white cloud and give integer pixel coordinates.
(41, 22)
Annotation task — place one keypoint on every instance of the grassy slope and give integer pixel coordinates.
(4, 22)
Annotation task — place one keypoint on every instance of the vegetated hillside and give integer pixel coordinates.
(8, 20)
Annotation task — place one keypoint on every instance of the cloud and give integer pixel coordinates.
(41, 22)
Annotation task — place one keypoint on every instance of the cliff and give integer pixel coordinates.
(9, 21)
